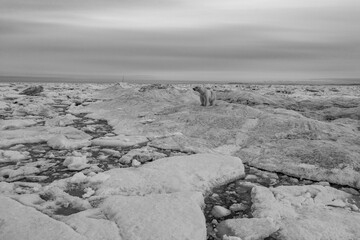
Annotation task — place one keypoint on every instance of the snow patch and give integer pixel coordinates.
(198, 172)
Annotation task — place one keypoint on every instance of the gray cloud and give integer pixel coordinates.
(290, 43)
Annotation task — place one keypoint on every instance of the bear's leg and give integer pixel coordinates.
(202, 100)
(206, 100)
(212, 98)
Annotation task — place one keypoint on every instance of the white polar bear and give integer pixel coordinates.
(207, 97)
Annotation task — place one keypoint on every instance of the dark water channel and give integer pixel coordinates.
(239, 192)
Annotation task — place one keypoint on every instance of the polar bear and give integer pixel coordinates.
(207, 97)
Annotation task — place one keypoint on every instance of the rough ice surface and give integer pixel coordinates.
(142, 150)
(308, 212)
(248, 123)
(247, 228)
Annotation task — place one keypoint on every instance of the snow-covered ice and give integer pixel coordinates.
(94, 161)
(22, 222)
(174, 216)
(76, 163)
(62, 142)
(120, 141)
(12, 156)
(198, 172)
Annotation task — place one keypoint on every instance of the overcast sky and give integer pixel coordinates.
(181, 40)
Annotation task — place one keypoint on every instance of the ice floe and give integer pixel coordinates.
(22, 222)
(199, 172)
(13, 156)
(119, 141)
(76, 163)
(16, 123)
(39, 134)
(174, 216)
(308, 212)
(62, 142)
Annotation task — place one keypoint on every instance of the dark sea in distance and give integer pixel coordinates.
(139, 80)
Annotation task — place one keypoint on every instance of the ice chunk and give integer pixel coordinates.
(12, 156)
(157, 216)
(198, 172)
(62, 142)
(93, 224)
(61, 121)
(76, 163)
(3, 105)
(219, 211)
(99, 178)
(11, 174)
(78, 178)
(22, 222)
(88, 192)
(119, 141)
(135, 163)
(16, 123)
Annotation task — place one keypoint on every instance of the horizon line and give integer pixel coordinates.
(136, 79)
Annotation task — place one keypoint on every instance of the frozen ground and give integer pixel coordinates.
(123, 161)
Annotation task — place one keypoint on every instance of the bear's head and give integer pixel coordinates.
(197, 88)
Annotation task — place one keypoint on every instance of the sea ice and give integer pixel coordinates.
(219, 211)
(62, 142)
(142, 155)
(94, 225)
(60, 121)
(76, 163)
(99, 178)
(12, 174)
(39, 134)
(88, 192)
(13, 156)
(78, 178)
(21, 222)
(175, 216)
(307, 212)
(198, 172)
(3, 105)
(16, 123)
(119, 141)
(247, 228)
